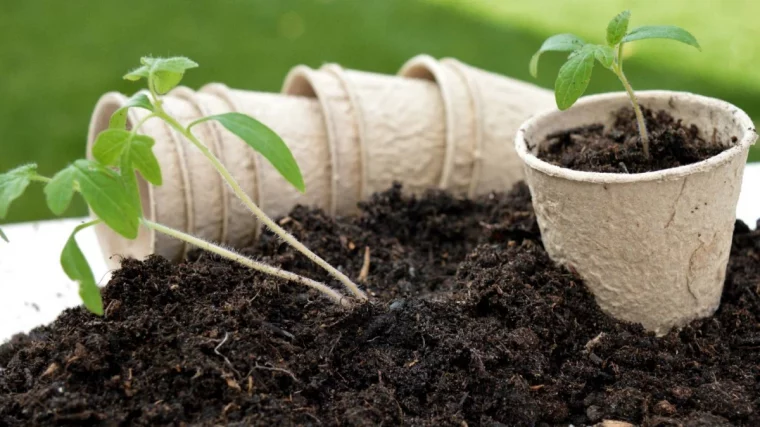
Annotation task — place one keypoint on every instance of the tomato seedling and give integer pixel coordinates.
(109, 185)
(575, 75)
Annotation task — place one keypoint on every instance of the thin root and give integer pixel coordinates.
(226, 360)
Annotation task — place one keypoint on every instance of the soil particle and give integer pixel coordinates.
(619, 150)
(471, 324)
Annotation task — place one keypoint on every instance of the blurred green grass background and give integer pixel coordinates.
(57, 57)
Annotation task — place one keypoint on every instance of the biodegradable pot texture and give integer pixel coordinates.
(499, 104)
(652, 247)
(345, 146)
(402, 125)
(459, 156)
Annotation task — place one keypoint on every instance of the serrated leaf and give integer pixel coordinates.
(13, 184)
(617, 27)
(573, 77)
(605, 55)
(75, 266)
(112, 145)
(119, 117)
(661, 32)
(3, 236)
(108, 197)
(558, 43)
(60, 190)
(265, 141)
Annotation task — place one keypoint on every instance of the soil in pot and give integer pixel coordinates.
(618, 149)
(471, 324)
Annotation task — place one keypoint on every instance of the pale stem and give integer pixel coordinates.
(140, 123)
(636, 109)
(284, 235)
(40, 178)
(335, 296)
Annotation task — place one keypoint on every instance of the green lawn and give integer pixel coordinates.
(58, 57)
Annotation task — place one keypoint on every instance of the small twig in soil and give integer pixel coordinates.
(594, 342)
(365, 266)
(340, 335)
(481, 367)
(229, 407)
(284, 371)
(254, 297)
(231, 383)
(111, 307)
(50, 370)
(464, 398)
(625, 169)
(278, 331)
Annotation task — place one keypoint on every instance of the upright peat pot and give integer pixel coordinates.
(652, 247)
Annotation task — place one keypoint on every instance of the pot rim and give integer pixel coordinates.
(747, 139)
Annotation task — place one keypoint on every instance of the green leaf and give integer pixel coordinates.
(75, 266)
(263, 140)
(574, 77)
(108, 197)
(605, 55)
(138, 73)
(661, 32)
(112, 145)
(13, 184)
(109, 145)
(176, 64)
(140, 154)
(60, 190)
(165, 73)
(119, 117)
(3, 236)
(164, 81)
(558, 43)
(617, 27)
(130, 181)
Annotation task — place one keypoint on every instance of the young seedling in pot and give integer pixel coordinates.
(109, 185)
(575, 75)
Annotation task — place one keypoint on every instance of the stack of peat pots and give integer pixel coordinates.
(438, 124)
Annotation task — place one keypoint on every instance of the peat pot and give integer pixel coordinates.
(652, 247)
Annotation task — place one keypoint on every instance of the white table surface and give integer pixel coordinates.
(34, 289)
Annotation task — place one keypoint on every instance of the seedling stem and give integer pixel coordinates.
(264, 218)
(617, 68)
(240, 259)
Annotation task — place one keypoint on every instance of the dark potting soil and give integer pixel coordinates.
(470, 324)
(619, 150)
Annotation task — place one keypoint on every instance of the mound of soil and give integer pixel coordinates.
(618, 150)
(471, 324)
